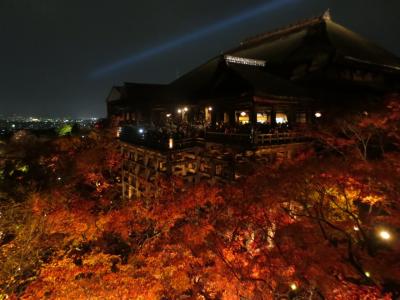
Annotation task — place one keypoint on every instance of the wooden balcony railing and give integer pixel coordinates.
(231, 138)
(278, 138)
(245, 139)
(260, 139)
(164, 144)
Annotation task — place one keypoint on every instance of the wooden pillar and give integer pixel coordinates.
(169, 163)
(310, 120)
(214, 117)
(137, 117)
(123, 184)
(137, 186)
(290, 154)
(123, 173)
(212, 171)
(232, 120)
(197, 169)
(253, 122)
(291, 115)
(129, 186)
(226, 118)
(273, 116)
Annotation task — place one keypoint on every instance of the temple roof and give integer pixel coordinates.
(267, 65)
(140, 92)
(261, 83)
(272, 59)
(308, 37)
(220, 78)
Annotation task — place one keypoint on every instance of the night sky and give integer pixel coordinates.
(61, 57)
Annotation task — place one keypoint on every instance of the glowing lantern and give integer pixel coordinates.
(384, 235)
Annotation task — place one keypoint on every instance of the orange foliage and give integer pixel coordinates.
(287, 225)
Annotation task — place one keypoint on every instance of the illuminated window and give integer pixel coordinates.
(263, 118)
(243, 117)
(281, 118)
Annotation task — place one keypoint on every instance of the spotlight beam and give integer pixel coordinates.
(189, 37)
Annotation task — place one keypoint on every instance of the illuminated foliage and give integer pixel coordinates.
(302, 230)
(65, 130)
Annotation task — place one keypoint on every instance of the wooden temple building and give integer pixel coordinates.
(250, 104)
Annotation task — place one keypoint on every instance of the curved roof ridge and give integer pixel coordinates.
(355, 47)
(326, 16)
(199, 68)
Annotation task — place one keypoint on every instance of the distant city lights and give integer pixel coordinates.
(13, 123)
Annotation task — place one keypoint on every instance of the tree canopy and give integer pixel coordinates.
(323, 226)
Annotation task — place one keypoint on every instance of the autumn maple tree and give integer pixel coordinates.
(323, 226)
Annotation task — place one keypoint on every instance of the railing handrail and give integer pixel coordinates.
(164, 145)
(230, 134)
(270, 138)
(245, 138)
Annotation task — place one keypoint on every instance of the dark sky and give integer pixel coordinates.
(51, 51)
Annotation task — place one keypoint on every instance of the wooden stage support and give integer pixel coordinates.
(215, 163)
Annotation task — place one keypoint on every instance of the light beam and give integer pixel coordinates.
(189, 37)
